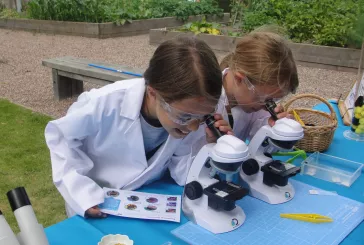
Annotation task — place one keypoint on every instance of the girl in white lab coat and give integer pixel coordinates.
(261, 68)
(128, 133)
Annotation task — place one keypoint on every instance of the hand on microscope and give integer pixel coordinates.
(222, 125)
(280, 113)
(95, 212)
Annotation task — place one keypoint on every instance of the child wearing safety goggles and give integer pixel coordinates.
(127, 134)
(261, 69)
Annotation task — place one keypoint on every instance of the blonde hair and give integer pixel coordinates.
(266, 59)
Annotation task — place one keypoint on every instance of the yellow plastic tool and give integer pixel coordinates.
(298, 119)
(313, 218)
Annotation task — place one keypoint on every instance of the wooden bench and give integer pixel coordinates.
(69, 73)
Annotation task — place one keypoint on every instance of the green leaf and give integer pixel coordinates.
(188, 25)
(194, 28)
(215, 25)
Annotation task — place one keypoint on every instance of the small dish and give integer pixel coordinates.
(116, 240)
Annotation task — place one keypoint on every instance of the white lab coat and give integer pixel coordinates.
(99, 143)
(247, 124)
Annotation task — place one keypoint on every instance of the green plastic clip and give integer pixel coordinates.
(297, 153)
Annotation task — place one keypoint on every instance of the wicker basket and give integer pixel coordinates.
(319, 126)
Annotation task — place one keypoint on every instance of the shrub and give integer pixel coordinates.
(324, 22)
(118, 11)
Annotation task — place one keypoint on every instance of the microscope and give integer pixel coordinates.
(31, 232)
(209, 201)
(266, 178)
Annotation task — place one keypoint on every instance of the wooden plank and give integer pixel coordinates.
(143, 26)
(335, 53)
(100, 82)
(80, 66)
(158, 36)
(65, 87)
(137, 26)
(343, 112)
(102, 30)
(122, 34)
(325, 60)
(60, 90)
(54, 27)
(76, 85)
(220, 43)
(342, 59)
(327, 67)
(84, 63)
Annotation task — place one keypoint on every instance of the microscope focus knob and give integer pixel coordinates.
(250, 167)
(193, 190)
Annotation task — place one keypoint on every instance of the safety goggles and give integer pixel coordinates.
(180, 117)
(260, 98)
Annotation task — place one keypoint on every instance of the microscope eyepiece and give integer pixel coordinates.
(210, 120)
(270, 105)
(18, 198)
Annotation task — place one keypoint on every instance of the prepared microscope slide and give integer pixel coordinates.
(141, 205)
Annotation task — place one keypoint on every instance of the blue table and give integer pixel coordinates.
(89, 231)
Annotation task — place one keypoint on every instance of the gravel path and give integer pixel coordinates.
(23, 79)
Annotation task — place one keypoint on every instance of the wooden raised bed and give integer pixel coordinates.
(341, 59)
(98, 30)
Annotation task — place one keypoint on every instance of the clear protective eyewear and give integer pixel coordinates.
(261, 98)
(181, 117)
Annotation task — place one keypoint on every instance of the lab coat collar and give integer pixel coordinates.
(133, 98)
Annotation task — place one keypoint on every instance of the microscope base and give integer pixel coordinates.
(213, 220)
(269, 194)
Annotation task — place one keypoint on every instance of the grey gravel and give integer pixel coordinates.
(23, 79)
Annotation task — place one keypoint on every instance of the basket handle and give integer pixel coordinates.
(312, 96)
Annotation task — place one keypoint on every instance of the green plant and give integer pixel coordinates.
(324, 22)
(238, 8)
(356, 34)
(162, 8)
(235, 33)
(9, 14)
(204, 7)
(253, 20)
(74, 10)
(202, 26)
(118, 11)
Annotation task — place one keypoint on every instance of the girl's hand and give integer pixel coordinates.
(279, 110)
(222, 125)
(95, 212)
